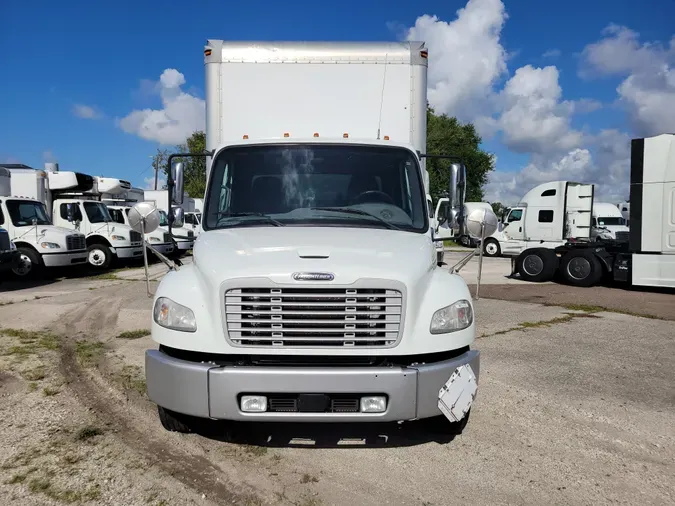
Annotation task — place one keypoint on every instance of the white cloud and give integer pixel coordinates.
(85, 112)
(552, 53)
(534, 119)
(149, 182)
(648, 89)
(466, 58)
(180, 116)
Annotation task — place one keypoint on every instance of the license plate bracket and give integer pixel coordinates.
(313, 403)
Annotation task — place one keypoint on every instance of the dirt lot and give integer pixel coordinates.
(575, 406)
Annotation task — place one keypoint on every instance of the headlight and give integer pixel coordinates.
(118, 238)
(154, 239)
(174, 316)
(457, 316)
(49, 245)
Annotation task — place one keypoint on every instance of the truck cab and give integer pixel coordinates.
(9, 255)
(76, 205)
(315, 294)
(608, 223)
(24, 197)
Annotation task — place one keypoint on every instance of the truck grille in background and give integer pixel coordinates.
(135, 236)
(313, 316)
(190, 234)
(4, 241)
(75, 242)
(622, 236)
(167, 237)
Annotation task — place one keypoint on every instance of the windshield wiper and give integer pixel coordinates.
(348, 210)
(267, 218)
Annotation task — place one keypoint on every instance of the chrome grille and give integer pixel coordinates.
(75, 242)
(135, 236)
(313, 317)
(622, 236)
(4, 240)
(167, 237)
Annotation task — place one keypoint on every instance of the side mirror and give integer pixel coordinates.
(456, 194)
(178, 216)
(177, 170)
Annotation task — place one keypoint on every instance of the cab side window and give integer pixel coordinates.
(515, 215)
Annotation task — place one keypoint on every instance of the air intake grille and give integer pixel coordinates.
(190, 234)
(75, 242)
(311, 317)
(4, 240)
(167, 237)
(135, 236)
(622, 236)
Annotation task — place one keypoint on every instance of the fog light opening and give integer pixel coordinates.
(253, 403)
(373, 404)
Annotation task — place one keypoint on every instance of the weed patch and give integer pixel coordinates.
(36, 374)
(49, 391)
(88, 352)
(133, 334)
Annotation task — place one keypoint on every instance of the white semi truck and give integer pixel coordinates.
(314, 294)
(608, 223)
(76, 204)
(645, 258)
(119, 204)
(25, 198)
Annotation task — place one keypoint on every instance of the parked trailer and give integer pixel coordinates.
(314, 295)
(648, 257)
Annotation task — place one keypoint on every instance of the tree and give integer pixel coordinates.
(194, 172)
(498, 209)
(447, 136)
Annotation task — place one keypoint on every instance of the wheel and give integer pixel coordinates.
(492, 248)
(581, 268)
(465, 241)
(29, 264)
(99, 256)
(537, 264)
(173, 422)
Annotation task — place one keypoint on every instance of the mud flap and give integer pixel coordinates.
(458, 393)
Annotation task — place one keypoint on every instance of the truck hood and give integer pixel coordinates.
(50, 233)
(348, 253)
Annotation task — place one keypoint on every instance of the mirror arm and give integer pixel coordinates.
(169, 180)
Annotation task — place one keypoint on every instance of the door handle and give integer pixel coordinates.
(520, 229)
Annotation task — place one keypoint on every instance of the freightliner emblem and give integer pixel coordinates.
(313, 276)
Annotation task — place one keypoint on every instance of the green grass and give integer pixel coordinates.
(89, 352)
(45, 486)
(567, 317)
(30, 342)
(133, 379)
(134, 334)
(36, 374)
(599, 309)
(49, 392)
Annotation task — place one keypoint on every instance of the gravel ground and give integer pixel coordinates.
(574, 406)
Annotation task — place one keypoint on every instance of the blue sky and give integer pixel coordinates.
(57, 56)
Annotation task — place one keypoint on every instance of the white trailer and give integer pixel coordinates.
(25, 198)
(314, 294)
(648, 257)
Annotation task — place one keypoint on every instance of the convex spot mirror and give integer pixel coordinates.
(144, 217)
(482, 223)
(178, 217)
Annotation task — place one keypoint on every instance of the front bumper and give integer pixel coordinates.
(164, 249)
(185, 245)
(129, 251)
(64, 259)
(211, 391)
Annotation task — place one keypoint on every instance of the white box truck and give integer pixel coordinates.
(314, 294)
(25, 198)
(645, 258)
(184, 237)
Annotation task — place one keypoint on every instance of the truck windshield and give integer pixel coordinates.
(23, 212)
(97, 212)
(163, 219)
(316, 185)
(610, 221)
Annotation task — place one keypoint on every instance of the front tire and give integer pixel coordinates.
(29, 264)
(174, 422)
(537, 265)
(99, 256)
(492, 248)
(581, 268)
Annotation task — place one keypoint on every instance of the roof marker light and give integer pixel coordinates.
(316, 134)
(245, 136)
(386, 137)
(286, 134)
(345, 136)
